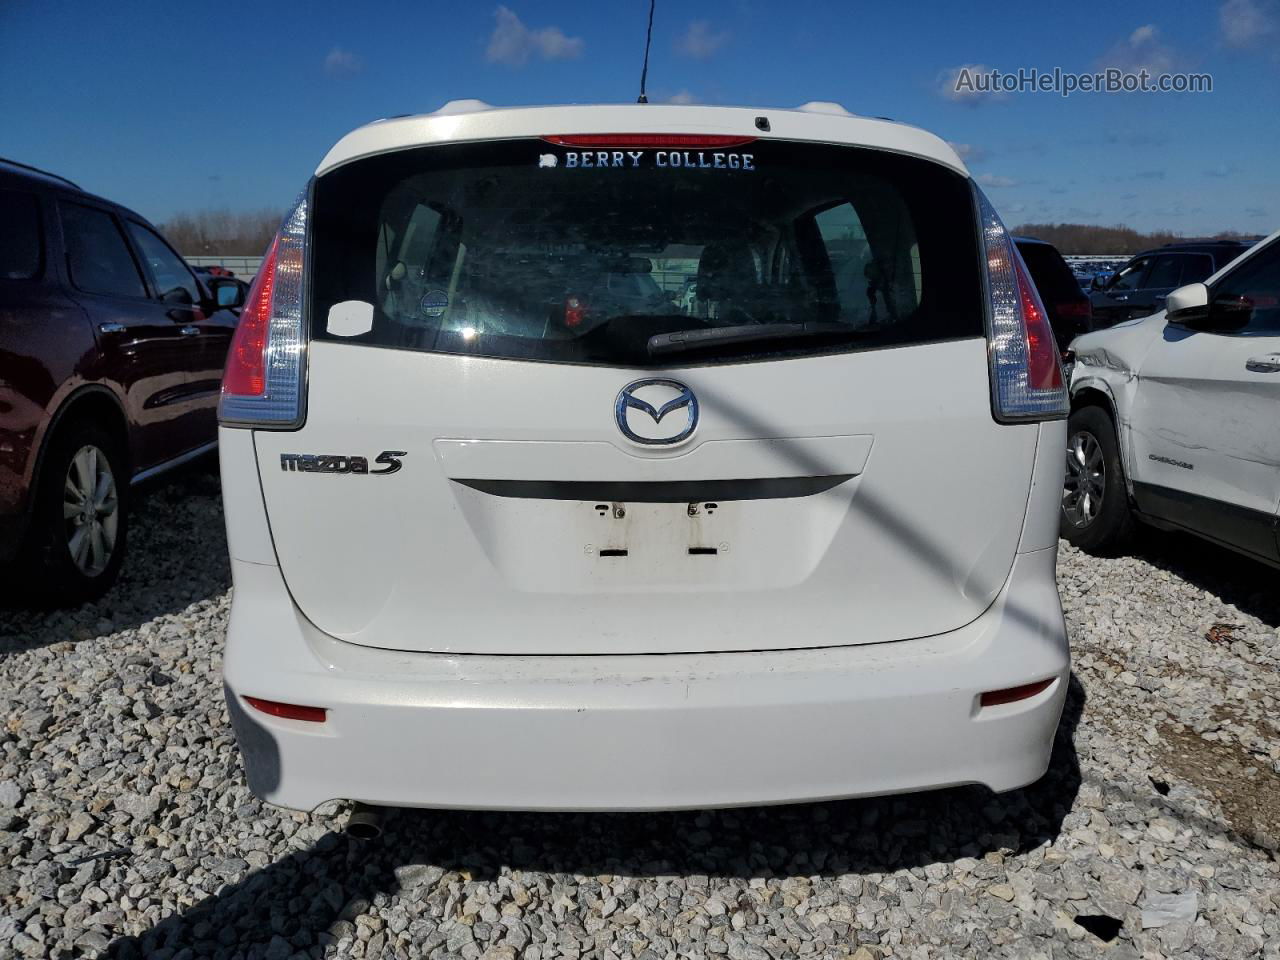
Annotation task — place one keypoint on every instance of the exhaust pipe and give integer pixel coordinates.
(364, 823)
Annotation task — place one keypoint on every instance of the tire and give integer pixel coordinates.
(1095, 500)
(77, 542)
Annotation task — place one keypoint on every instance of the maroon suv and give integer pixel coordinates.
(111, 354)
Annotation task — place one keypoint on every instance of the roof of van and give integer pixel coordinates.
(463, 120)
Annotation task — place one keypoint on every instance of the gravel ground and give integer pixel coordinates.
(125, 828)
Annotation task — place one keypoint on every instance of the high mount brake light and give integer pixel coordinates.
(1026, 372)
(262, 385)
(644, 140)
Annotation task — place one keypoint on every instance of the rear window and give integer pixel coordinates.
(97, 256)
(1196, 268)
(1049, 271)
(21, 251)
(526, 249)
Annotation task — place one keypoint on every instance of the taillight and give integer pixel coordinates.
(1075, 309)
(246, 371)
(1026, 373)
(643, 140)
(262, 383)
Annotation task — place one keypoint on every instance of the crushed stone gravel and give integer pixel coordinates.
(126, 829)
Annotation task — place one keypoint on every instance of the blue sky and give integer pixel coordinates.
(167, 107)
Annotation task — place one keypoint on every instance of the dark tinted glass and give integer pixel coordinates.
(173, 281)
(528, 250)
(1256, 283)
(1165, 271)
(21, 253)
(97, 255)
(1222, 258)
(1050, 273)
(1196, 268)
(1130, 276)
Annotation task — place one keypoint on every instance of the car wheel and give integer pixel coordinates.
(1095, 501)
(80, 526)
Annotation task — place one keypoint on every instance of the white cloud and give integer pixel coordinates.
(991, 180)
(699, 42)
(1143, 50)
(1245, 22)
(1144, 34)
(513, 43)
(960, 84)
(968, 152)
(339, 62)
(682, 96)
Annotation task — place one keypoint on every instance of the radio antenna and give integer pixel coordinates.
(648, 38)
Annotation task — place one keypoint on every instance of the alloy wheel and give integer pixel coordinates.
(1086, 479)
(90, 510)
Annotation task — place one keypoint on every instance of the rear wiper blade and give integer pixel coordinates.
(681, 340)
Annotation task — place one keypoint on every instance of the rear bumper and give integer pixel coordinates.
(644, 732)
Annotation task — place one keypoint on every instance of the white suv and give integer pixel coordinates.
(1176, 418)
(506, 536)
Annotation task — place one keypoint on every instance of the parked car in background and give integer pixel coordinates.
(111, 353)
(1068, 306)
(1099, 280)
(1176, 418)
(458, 521)
(1139, 288)
(211, 270)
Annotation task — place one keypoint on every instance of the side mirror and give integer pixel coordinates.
(228, 293)
(1188, 306)
(1096, 282)
(178, 295)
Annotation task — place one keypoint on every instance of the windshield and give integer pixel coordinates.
(530, 250)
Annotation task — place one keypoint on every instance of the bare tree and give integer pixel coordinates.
(1084, 238)
(213, 233)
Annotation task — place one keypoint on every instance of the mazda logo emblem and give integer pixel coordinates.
(684, 401)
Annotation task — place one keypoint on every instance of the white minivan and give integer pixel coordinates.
(641, 457)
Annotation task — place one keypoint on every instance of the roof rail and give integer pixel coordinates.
(1208, 242)
(43, 173)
